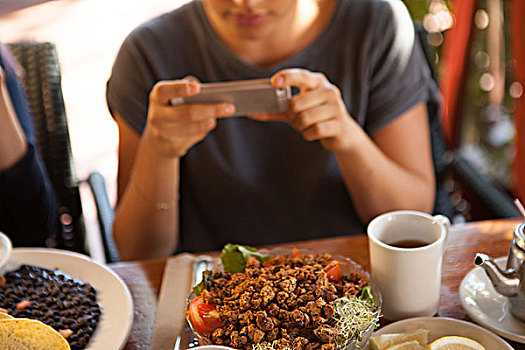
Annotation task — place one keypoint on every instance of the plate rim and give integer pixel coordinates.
(86, 259)
(443, 319)
(500, 331)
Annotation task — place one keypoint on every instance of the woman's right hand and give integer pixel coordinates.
(173, 130)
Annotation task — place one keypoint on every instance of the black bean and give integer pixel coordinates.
(73, 326)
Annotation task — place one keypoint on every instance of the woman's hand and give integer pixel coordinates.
(172, 130)
(317, 112)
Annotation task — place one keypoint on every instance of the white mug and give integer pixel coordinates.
(406, 253)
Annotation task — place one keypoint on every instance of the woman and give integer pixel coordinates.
(28, 207)
(354, 142)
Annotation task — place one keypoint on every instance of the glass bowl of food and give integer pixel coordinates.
(284, 299)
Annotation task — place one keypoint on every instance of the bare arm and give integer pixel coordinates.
(13, 145)
(146, 219)
(140, 229)
(394, 170)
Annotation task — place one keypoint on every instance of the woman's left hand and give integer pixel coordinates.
(317, 112)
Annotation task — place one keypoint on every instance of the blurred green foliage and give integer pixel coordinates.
(417, 8)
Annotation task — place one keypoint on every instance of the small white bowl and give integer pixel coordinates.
(5, 252)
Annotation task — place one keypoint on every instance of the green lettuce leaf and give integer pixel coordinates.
(206, 283)
(234, 257)
(366, 294)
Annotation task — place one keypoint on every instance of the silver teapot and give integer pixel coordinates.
(511, 281)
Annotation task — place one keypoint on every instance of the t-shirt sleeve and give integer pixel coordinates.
(131, 80)
(400, 76)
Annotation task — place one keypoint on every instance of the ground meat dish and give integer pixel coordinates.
(286, 301)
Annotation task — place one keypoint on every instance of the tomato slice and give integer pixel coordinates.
(335, 274)
(204, 316)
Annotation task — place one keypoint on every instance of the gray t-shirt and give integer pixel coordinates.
(256, 182)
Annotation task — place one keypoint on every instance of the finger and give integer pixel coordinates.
(313, 98)
(192, 79)
(319, 114)
(327, 129)
(191, 112)
(302, 78)
(164, 91)
(174, 142)
(186, 130)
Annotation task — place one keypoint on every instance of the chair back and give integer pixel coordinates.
(42, 86)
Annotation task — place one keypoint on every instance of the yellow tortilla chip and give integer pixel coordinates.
(4, 316)
(26, 334)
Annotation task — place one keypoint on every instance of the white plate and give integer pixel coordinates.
(487, 307)
(113, 295)
(443, 326)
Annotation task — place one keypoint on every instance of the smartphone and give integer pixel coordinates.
(249, 96)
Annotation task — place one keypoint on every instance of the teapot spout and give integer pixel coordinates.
(505, 282)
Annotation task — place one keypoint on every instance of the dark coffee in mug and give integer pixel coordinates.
(409, 243)
(409, 279)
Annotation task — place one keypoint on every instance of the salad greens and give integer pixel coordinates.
(234, 257)
(353, 315)
(206, 282)
(366, 294)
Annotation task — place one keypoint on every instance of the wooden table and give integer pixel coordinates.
(491, 237)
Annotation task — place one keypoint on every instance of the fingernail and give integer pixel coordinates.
(279, 80)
